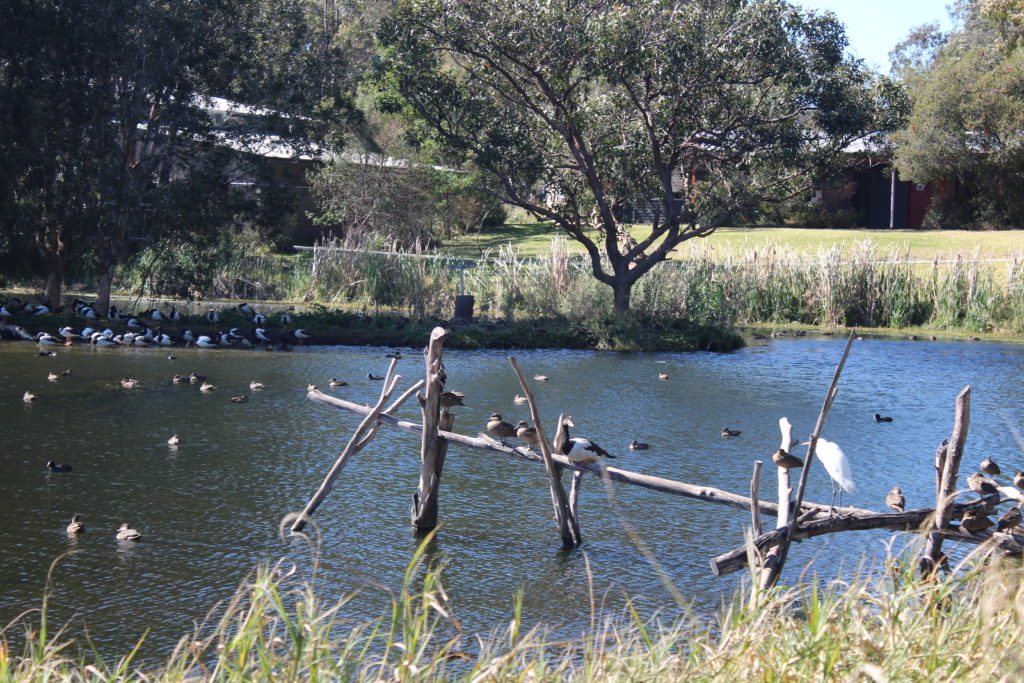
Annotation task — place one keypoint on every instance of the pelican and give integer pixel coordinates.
(126, 533)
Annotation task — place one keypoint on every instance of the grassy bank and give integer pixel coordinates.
(966, 626)
(863, 286)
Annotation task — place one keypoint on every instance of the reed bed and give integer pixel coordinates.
(889, 625)
(769, 284)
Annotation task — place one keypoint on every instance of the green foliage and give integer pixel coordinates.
(704, 108)
(965, 131)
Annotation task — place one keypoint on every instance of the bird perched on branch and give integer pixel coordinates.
(786, 460)
(895, 500)
(975, 521)
(499, 428)
(982, 485)
(726, 432)
(879, 418)
(989, 467)
(450, 399)
(837, 466)
(527, 434)
(1018, 480)
(577, 449)
(1009, 520)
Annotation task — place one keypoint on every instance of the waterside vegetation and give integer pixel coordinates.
(888, 625)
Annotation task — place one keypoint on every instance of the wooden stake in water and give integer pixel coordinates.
(424, 501)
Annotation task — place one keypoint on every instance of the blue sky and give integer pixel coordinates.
(873, 27)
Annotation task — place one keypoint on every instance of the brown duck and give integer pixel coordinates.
(973, 521)
(786, 460)
(527, 433)
(450, 399)
(895, 499)
(499, 428)
(1009, 520)
(989, 467)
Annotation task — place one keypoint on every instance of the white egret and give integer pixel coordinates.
(837, 466)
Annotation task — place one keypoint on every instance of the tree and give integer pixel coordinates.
(111, 124)
(582, 109)
(965, 132)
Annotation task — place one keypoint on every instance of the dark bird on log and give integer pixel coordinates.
(375, 378)
(786, 460)
(239, 399)
(895, 500)
(1009, 520)
(989, 467)
(638, 445)
(499, 428)
(879, 418)
(450, 399)
(335, 382)
(1018, 480)
(726, 432)
(974, 521)
(76, 526)
(981, 485)
(526, 433)
(126, 533)
(54, 467)
(578, 449)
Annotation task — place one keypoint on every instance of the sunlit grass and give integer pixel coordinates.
(888, 625)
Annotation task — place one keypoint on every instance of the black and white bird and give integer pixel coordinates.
(577, 449)
(302, 335)
(246, 308)
(54, 467)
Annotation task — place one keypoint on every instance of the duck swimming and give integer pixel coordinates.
(126, 533)
(879, 418)
(520, 399)
(239, 399)
(257, 386)
(638, 445)
(28, 397)
(206, 387)
(76, 526)
(54, 467)
(373, 377)
(335, 382)
(129, 383)
(173, 441)
(726, 432)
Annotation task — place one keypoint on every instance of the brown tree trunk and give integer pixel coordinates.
(623, 289)
(56, 249)
(106, 280)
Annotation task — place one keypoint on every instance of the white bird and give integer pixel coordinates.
(302, 334)
(47, 339)
(204, 342)
(246, 308)
(41, 309)
(188, 336)
(837, 466)
(261, 334)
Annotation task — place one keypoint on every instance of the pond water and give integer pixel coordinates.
(209, 510)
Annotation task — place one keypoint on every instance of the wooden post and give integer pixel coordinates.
(424, 500)
(776, 569)
(773, 559)
(355, 444)
(567, 526)
(946, 492)
(755, 489)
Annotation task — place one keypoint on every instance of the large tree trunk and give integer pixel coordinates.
(106, 280)
(623, 289)
(56, 249)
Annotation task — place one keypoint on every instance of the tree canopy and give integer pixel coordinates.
(582, 110)
(965, 132)
(110, 127)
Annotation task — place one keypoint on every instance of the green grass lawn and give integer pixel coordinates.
(532, 239)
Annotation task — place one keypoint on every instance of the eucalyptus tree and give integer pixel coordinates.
(582, 108)
(965, 130)
(111, 128)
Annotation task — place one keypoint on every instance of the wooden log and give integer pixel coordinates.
(568, 528)
(932, 557)
(424, 500)
(851, 519)
(654, 483)
(755, 487)
(353, 447)
(773, 560)
(830, 395)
